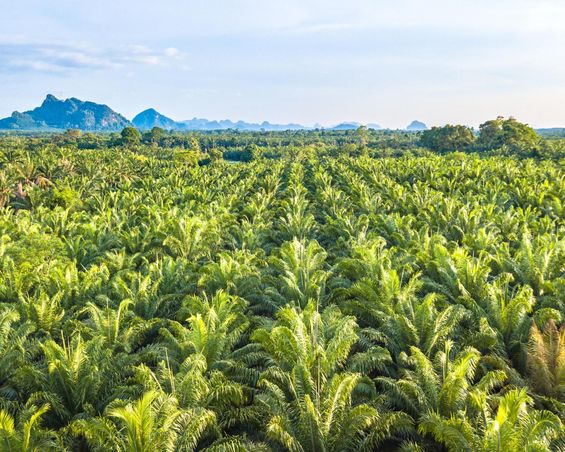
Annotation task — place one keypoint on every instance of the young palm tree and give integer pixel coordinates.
(513, 426)
(303, 277)
(154, 422)
(296, 221)
(455, 274)
(190, 237)
(114, 327)
(43, 310)
(28, 436)
(536, 262)
(195, 386)
(445, 389)
(76, 378)
(6, 188)
(546, 360)
(142, 291)
(14, 348)
(215, 325)
(311, 402)
(507, 314)
(236, 273)
(402, 318)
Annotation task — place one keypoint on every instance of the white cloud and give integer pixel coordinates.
(33, 65)
(152, 60)
(172, 52)
(139, 49)
(59, 58)
(75, 58)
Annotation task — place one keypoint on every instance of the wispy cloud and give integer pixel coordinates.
(63, 58)
(322, 27)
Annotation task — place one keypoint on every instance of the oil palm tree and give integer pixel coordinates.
(195, 386)
(215, 326)
(216, 332)
(153, 422)
(302, 273)
(236, 273)
(6, 188)
(27, 435)
(513, 426)
(117, 329)
(536, 262)
(76, 378)
(454, 274)
(14, 350)
(311, 402)
(296, 221)
(142, 291)
(402, 318)
(446, 387)
(190, 237)
(43, 310)
(505, 313)
(546, 360)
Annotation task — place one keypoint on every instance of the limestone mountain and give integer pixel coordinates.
(150, 118)
(66, 114)
(415, 126)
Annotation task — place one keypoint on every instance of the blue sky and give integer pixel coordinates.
(307, 61)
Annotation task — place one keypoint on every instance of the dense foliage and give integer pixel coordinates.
(314, 298)
(509, 133)
(448, 138)
(500, 135)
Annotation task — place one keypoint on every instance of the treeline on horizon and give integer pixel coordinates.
(495, 137)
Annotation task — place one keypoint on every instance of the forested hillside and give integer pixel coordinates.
(319, 292)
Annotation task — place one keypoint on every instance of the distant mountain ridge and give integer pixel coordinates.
(353, 125)
(205, 124)
(66, 114)
(150, 118)
(73, 113)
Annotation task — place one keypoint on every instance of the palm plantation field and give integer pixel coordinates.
(306, 299)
